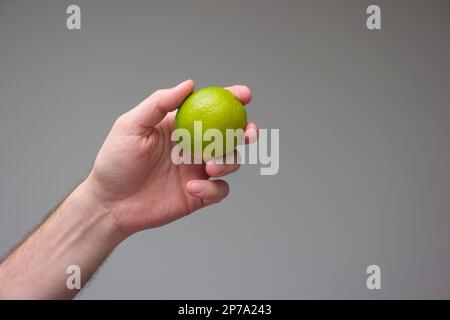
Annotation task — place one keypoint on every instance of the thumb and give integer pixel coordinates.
(153, 109)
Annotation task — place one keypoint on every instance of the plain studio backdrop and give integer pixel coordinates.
(364, 119)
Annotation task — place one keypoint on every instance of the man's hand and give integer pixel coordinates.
(134, 176)
(133, 186)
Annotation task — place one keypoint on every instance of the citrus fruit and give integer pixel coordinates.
(216, 108)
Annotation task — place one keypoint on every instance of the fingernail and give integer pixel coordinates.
(196, 187)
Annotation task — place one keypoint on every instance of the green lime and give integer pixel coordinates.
(214, 108)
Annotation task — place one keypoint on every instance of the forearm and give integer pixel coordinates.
(80, 232)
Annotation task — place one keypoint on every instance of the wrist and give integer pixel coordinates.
(96, 212)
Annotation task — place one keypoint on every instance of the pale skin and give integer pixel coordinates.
(132, 186)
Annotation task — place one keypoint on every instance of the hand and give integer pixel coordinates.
(134, 176)
(133, 186)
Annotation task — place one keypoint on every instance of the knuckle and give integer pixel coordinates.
(124, 122)
(121, 120)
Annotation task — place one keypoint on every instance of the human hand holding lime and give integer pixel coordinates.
(133, 185)
(134, 176)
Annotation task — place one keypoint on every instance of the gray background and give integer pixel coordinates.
(364, 140)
